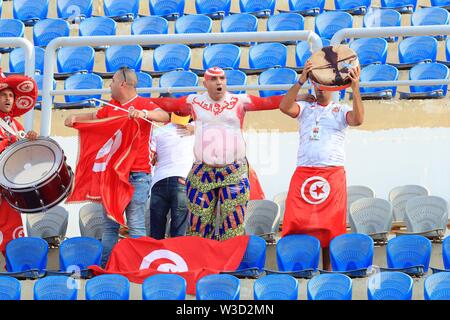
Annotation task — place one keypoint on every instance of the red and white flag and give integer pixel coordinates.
(10, 224)
(107, 150)
(189, 256)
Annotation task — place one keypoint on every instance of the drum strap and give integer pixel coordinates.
(8, 128)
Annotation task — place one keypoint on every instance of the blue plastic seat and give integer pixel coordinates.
(79, 252)
(144, 81)
(358, 7)
(179, 79)
(216, 9)
(26, 253)
(328, 23)
(74, 59)
(30, 11)
(307, 8)
(402, 6)
(129, 56)
(74, 10)
(332, 286)
(169, 57)
(390, 286)
(98, 26)
(39, 78)
(195, 23)
(267, 55)
(276, 76)
(218, 287)
(260, 8)
(82, 81)
(276, 287)
(408, 251)
(285, 21)
(9, 288)
(171, 10)
(242, 22)
(223, 55)
(108, 287)
(440, 3)
(431, 16)
(11, 28)
(437, 286)
(164, 287)
(351, 252)
(424, 71)
(46, 30)
(121, 10)
(236, 78)
(446, 253)
(382, 18)
(150, 25)
(298, 252)
(417, 49)
(370, 50)
(379, 72)
(55, 288)
(302, 53)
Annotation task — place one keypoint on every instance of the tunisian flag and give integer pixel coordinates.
(191, 257)
(107, 150)
(10, 224)
(256, 191)
(316, 203)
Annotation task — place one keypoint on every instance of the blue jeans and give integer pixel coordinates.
(168, 194)
(135, 213)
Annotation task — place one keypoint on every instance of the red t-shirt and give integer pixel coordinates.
(142, 163)
(6, 139)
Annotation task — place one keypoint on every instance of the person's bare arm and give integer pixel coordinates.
(356, 116)
(70, 120)
(157, 115)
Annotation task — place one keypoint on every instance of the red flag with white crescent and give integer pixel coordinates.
(10, 224)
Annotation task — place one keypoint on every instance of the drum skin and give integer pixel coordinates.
(331, 66)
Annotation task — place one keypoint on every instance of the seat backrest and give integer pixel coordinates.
(169, 57)
(79, 253)
(437, 286)
(26, 253)
(351, 4)
(257, 5)
(52, 223)
(28, 9)
(11, 28)
(351, 252)
(91, 220)
(382, 18)
(179, 79)
(83, 81)
(302, 53)
(129, 56)
(446, 253)
(330, 22)
(212, 6)
(390, 286)
(276, 76)
(407, 251)
(267, 55)
(223, 55)
(425, 213)
(108, 287)
(9, 288)
(120, 7)
(150, 25)
(430, 16)
(370, 50)
(300, 5)
(371, 215)
(285, 21)
(255, 254)
(46, 30)
(357, 192)
(195, 23)
(73, 59)
(424, 71)
(280, 199)
(330, 287)
(276, 287)
(236, 78)
(416, 49)
(379, 72)
(17, 60)
(297, 252)
(218, 287)
(400, 195)
(263, 216)
(97, 26)
(55, 288)
(73, 8)
(398, 3)
(242, 22)
(144, 81)
(164, 287)
(164, 7)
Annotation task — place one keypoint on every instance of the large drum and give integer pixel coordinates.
(331, 66)
(34, 176)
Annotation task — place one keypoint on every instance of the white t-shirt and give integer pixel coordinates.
(174, 153)
(328, 150)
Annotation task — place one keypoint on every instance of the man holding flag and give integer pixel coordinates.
(114, 161)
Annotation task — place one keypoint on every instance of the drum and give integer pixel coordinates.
(34, 175)
(331, 66)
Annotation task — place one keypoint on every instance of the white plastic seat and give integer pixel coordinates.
(280, 199)
(398, 196)
(262, 218)
(357, 192)
(91, 220)
(50, 225)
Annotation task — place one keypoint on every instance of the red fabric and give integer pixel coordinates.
(189, 256)
(176, 105)
(323, 217)
(10, 224)
(25, 92)
(260, 104)
(256, 191)
(142, 163)
(6, 138)
(108, 148)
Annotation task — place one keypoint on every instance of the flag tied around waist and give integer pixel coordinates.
(189, 256)
(10, 224)
(107, 150)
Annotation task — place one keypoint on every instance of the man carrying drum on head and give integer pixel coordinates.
(18, 94)
(316, 201)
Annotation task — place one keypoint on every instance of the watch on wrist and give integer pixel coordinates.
(145, 113)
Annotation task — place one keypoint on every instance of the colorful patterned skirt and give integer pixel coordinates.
(209, 189)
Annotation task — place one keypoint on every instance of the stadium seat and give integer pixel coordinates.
(242, 22)
(170, 57)
(392, 285)
(306, 8)
(400, 195)
(144, 81)
(75, 59)
(30, 11)
(370, 50)
(286, 21)
(79, 252)
(276, 287)
(9, 288)
(11, 28)
(431, 16)
(402, 6)
(39, 78)
(440, 3)
(55, 288)
(81, 81)
(179, 79)
(446, 253)
(218, 287)
(378, 72)
(280, 199)
(352, 6)
(170, 10)
(302, 53)
(328, 23)
(356, 192)
(258, 8)
(267, 55)
(150, 25)
(382, 18)
(276, 76)
(426, 71)
(215, 9)
(108, 287)
(26, 253)
(50, 225)
(351, 253)
(74, 10)
(262, 218)
(164, 287)
(371, 216)
(195, 23)
(437, 286)
(236, 78)
(46, 30)
(409, 253)
(330, 287)
(427, 215)
(98, 26)
(121, 10)
(17, 60)
(223, 55)
(91, 220)
(417, 49)
(117, 57)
